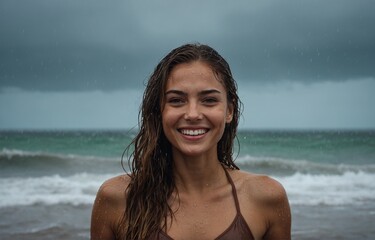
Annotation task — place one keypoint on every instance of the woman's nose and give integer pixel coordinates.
(193, 112)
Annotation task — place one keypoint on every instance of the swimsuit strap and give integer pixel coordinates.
(233, 190)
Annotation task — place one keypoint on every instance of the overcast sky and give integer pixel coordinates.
(83, 64)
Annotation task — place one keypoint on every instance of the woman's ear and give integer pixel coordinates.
(229, 115)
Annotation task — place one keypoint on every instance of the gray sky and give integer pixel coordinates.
(83, 64)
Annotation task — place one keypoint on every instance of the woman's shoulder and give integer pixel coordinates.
(264, 204)
(259, 187)
(117, 180)
(113, 189)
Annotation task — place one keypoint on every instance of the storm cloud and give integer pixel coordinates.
(97, 45)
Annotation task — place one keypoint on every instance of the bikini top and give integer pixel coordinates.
(238, 230)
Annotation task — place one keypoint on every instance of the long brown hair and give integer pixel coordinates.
(151, 164)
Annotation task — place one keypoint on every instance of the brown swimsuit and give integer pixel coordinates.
(238, 230)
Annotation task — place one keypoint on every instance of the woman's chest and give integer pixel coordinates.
(201, 220)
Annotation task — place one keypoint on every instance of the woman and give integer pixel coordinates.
(183, 182)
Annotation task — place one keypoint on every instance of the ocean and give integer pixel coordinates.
(48, 179)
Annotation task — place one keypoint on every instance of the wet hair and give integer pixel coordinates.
(151, 164)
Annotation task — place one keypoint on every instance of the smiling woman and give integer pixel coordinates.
(183, 177)
(196, 109)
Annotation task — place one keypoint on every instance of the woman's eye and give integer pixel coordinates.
(210, 100)
(175, 101)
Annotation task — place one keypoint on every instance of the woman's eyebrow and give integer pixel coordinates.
(204, 92)
(209, 91)
(178, 92)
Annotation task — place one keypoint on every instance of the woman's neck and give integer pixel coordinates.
(198, 174)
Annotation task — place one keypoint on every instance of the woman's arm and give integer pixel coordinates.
(108, 209)
(278, 212)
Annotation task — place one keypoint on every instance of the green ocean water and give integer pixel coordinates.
(352, 147)
(335, 146)
(269, 152)
(85, 143)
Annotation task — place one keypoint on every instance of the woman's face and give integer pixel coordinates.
(196, 109)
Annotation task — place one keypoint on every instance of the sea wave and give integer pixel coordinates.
(349, 188)
(20, 159)
(15, 162)
(52, 158)
(74, 180)
(75, 190)
(280, 166)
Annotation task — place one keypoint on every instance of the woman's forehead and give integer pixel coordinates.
(196, 72)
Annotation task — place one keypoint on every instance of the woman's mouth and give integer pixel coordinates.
(193, 132)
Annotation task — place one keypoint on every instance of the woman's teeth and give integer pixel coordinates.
(193, 132)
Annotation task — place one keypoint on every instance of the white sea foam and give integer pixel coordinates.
(9, 153)
(349, 188)
(76, 189)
